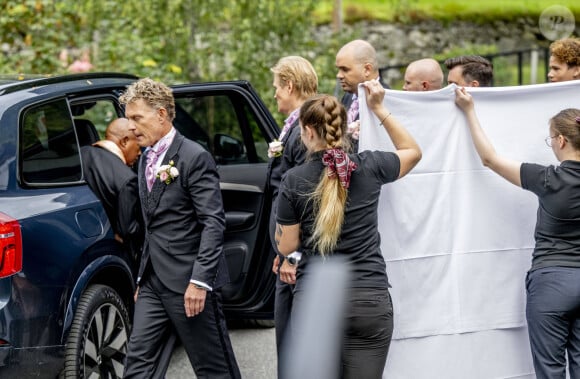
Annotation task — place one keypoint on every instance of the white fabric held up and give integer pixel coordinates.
(457, 238)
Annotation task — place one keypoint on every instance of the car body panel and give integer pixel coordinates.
(68, 243)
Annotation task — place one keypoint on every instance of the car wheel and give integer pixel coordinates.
(97, 342)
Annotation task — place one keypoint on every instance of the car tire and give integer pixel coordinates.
(97, 342)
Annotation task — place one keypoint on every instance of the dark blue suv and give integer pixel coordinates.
(66, 285)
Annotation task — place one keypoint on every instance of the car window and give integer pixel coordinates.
(96, 112)
(49, 153)
(223, 126)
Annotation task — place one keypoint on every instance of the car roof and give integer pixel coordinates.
(13, 83)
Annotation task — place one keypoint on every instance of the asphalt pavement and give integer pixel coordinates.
(255, 351)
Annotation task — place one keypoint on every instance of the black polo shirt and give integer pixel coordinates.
(557, 231)
(359, 240)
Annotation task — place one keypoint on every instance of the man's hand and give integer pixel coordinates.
(194, 300)
(276, 264)
(288, 273)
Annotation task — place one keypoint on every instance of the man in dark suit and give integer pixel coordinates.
(183, 265)
(295, 80)
(107, 171)
(356, 63)
(108, 168)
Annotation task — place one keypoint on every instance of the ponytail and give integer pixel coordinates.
(328, 117)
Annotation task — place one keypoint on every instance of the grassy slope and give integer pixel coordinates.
(444, 10)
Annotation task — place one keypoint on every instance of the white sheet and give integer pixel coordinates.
(458, 238)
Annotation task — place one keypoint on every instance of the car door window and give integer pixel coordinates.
(223, 126)
(96, 112)
(49, 152)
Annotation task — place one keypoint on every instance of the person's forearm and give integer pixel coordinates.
(484, 148)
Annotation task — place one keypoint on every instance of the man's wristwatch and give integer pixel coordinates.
(293, 260)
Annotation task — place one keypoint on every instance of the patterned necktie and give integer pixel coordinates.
(288, 124)
(352, 111)
(152, 156)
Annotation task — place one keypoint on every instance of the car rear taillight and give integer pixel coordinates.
(10, 246)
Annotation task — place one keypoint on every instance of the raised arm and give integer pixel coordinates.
(507, 168)
(406, 148)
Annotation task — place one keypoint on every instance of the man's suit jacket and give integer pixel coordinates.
(293, 155)
(346, 99)
(184, 220)
(116, 185)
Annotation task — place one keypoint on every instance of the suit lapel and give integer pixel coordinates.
(159, 187)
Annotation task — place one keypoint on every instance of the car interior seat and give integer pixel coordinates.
(86, 132)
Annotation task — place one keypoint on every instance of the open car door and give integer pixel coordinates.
(230, 121)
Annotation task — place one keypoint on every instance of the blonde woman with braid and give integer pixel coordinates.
(327, 207)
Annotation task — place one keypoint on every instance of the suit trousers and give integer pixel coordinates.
(282, 311)
(205, 337)
(553, 315)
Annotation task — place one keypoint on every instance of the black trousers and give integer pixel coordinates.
(282, 310)
(367, 333)
(553, 315)
(205, 336)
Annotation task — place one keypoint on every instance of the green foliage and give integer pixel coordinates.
(181, 41)
(409, 11)
(33, 32)
(176, 41)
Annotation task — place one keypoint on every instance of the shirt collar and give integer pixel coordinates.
(166, 139)
(293, 116)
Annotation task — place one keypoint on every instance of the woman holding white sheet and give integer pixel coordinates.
(553, 281)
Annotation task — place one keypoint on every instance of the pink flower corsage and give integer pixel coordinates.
(167, 173)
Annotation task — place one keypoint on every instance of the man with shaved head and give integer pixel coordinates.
(107, 171)
(423, 75)
(356, 63)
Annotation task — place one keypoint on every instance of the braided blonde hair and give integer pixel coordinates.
(327, 117)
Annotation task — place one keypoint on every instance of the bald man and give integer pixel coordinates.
(107, 171)
(356, 63)
(423, 75)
